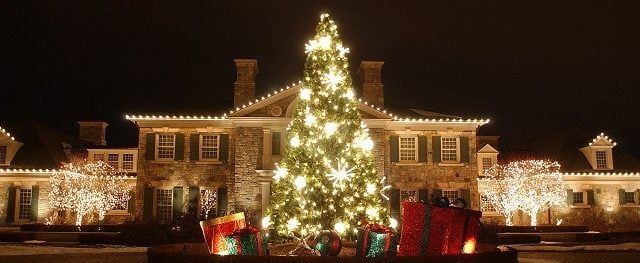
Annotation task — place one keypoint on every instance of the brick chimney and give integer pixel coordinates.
(371, 75)
(244, 89)
(93, 132)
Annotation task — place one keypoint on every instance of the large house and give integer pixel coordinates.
(231, 157)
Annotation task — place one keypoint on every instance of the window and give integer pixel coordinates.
(487, 162)
(209, 147)
(208, 203)
(3, 154)
(165, 204)
(98, 157)
(407, 196)
(601, 159)
(449, 149)
(578, 197)
(451, 194)
(25, 204)
(113, 161)
(166, 146)
(408, 149)
(121, 205)
(127, 162)
(276, 143)
(486, 204)
(630, 197)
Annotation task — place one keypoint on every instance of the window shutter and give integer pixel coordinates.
(437, 192)
(35, 192)
(464, 149)
(466, 195)
(11, 204)
(131, 204)
(435, 145)
(570, 197)
(151, 146)
(222, 201)
(423, 195)
(194, 194)
(394, 200)
(591, 200)
(194, 147)
(178, 201)
(621, 196)
(179, 147)
(422, 149)
(147, 209)
(224, 147)
(394, 150)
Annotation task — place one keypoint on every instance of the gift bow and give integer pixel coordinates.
(245, 231)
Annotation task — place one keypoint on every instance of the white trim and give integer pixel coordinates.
(157, 147)
(216, 148)
(415, 148)
(442, 161)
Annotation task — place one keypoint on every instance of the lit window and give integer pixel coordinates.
(3, 154)
(487, 162)
(164, 208)
(120, 205)
(127, 162)
(601, 159)
(208, 202)
(578, 198)
(630, 197)
(166, 146)
(98, 157)
(408, 148)
(113, 160)
(451, 194)
(276, 142)
(25, 204)
(209, 147)
(486, 204)
(449, 149)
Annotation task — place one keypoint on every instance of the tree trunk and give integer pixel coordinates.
(508, 219)
(534, 219)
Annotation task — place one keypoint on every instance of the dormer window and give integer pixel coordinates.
(3, 154)
(601, 159)
(599, 152)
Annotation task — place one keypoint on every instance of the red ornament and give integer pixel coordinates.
(327, 242)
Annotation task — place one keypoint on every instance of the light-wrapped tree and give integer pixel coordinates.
(327, 178)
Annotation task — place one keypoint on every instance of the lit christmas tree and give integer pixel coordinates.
(327, 178)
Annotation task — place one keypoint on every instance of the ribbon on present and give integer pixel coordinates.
(215, 230)
(375, 240)
(245, 241)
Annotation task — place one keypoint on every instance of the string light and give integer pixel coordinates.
(7, 134)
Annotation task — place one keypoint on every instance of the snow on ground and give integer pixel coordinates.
(615, 247)
(24, 249)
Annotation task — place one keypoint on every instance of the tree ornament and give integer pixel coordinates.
(327, 242)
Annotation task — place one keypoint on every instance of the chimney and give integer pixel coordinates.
(244, 89)
(93, 132)
(371, 75)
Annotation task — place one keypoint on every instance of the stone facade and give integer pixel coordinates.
(93, 133)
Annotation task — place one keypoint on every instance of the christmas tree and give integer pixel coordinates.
(327, 178)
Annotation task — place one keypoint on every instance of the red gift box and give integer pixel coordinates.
(433, 230)
(215, 230)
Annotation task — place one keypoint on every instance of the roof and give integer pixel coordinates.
(43, 146)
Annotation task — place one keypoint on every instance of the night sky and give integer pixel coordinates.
(533, 67)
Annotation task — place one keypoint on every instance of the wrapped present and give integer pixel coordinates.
(245, 241)
(215, 230)
(433, 230)
(375, 240)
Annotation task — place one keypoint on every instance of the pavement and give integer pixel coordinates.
(579, 256)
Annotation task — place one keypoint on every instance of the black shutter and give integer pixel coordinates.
(178, 201)
(437, 193)
(394, 150)
(222, 201)
(422, 149)
(147, 209)
(423, 195)
(179, 147)
(464, 149)
(591, 199)
(150, 153)
(394, 200)
(570, 197)
(435, 147)
(276, 142)
(11, 204)
(35, 192)
(194, 147)
(131, 204)
(194, 194)
(621, 196)
(224, 147)
(466, 195)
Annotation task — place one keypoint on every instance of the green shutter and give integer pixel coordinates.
(147, 209)
(435, 147)
(178, 201)
(194, 194)
(194, 147)
(222, 201)
(394, 203)
(150, 153)
(11, 204)
(621, 196)
(423, 195)
(464, 149)
(591, 200)
(570, 197)
(35, 192)
(131, 203)
(422, 149)
(179, 147)
(466, 195)
(393, 148)
(276, 142)
(224, 147)
(437, 193)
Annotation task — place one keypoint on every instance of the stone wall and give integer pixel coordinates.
(247, 191)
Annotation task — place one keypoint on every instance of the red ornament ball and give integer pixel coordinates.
(327, 242)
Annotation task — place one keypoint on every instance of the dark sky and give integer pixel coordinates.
(533, 67)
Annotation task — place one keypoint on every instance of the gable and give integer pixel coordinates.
(487, 148)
